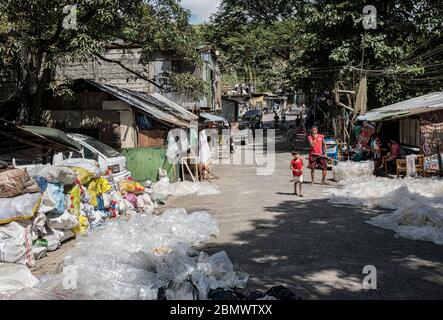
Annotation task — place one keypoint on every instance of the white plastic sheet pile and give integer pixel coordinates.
(165, 189)
(350, 169)
(133, 259)
(15, 277)
(418, 204)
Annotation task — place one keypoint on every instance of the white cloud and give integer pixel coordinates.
(201, 9)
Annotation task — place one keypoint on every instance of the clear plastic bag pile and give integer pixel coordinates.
(350, 169)
(144, 257)
(418, 204)
(163, 188)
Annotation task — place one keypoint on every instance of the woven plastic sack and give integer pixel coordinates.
(84, 176)
(54, 174)
(53, 199)
(19, 208)
(98, 187)
(16, 244)
(130, 186)
(15, 182)
(89, 165)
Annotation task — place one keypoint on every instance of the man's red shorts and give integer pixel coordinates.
(316, 162)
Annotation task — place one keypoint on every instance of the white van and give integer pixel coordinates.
(109, 159)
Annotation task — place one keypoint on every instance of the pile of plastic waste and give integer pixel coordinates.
(418, 204)
(134, 255)
(146, 257)
(164, 188)
(349, 169)
(48, 205)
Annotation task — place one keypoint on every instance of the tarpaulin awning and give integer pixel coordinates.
(423, 104)
(154, 104)
(33, 140)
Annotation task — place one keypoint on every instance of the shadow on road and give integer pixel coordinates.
(319, 249)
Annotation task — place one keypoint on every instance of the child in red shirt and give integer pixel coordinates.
(297, 172)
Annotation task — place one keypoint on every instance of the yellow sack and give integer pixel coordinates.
(83, 227)
(131, 187)
(104, 185)
(84, 176)
(74, 200)
(97, 187)
(94, 191)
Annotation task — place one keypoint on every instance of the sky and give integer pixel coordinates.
(201, 10)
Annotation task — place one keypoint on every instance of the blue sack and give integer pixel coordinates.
(56, 192)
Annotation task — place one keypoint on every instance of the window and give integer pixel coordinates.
(106, 150)
(179, 66)
(89, 154)
(72, 155)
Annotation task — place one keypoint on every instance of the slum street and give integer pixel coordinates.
(166, 150)
(315, 247)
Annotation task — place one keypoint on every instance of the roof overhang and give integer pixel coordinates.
(154, 104)
(428, 103)
(213, 118)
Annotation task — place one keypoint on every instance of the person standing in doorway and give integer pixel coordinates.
(317, 154)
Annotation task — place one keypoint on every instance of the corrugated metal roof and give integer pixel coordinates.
(423, 104)
(172, 106)
(212, 117)
(154, 104)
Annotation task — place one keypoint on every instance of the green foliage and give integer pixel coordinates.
(311, 46)
(33, 39)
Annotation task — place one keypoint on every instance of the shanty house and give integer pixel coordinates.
(417, 124)
(130, 68)
(119, 117)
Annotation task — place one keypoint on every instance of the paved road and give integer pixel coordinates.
(314, 247)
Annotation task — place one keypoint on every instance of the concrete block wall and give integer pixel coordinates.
(111, 73)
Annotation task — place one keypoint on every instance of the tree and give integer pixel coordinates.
(38, 35)
(315, 46)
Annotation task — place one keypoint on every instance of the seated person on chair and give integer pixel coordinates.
(392, 156)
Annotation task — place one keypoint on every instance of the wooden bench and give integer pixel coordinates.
(419, 165)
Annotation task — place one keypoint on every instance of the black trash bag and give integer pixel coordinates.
(222, 294)
(161, 294)
(255, 295)
(282, 293)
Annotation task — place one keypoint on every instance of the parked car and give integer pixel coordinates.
(109, 159)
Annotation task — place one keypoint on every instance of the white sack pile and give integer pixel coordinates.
(418, 204)
(350, 169)
(135, 258)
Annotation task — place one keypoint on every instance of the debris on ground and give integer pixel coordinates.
(41, 209)
(418, 204)
(163, 188)
(15, 277)
(123, 250)
(346, 170)
(141, 257)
